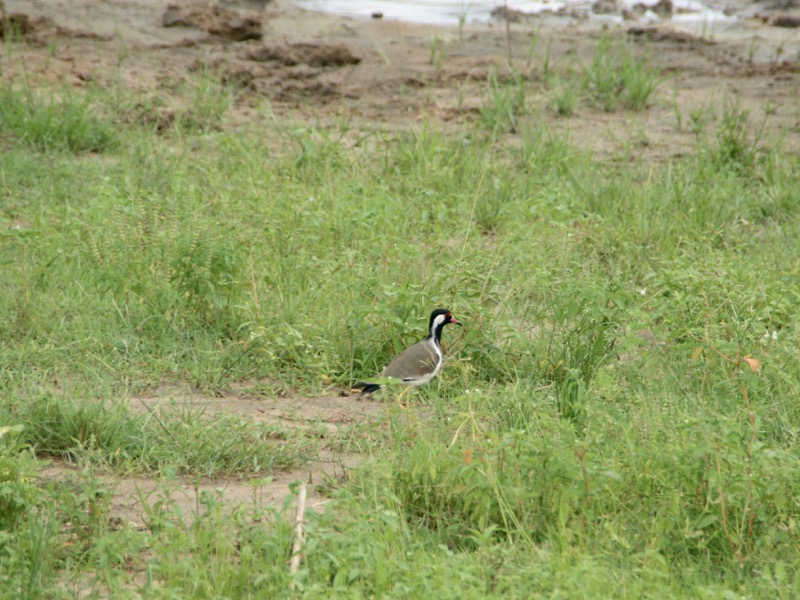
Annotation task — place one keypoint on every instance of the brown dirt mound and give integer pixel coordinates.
(20, 24)
(216, 20)
(315, 55)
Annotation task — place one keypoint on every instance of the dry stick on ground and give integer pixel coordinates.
(580, 454)
(298, 532)
(155, 416)
(752, 418)
(728, 537)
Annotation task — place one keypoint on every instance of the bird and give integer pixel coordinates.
(417, 364)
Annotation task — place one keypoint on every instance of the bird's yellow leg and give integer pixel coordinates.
(408, 406)
(399, 398)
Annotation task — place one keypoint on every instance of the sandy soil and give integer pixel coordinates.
(378, 74)
(180, 498)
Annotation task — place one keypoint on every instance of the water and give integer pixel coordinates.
(451, 12)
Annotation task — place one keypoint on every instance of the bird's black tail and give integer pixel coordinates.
(366, 388)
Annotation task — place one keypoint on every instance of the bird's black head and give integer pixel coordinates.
(439, 318)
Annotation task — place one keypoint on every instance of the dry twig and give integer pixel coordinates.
(294, 564)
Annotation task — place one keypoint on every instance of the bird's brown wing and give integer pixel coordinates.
(415, 362)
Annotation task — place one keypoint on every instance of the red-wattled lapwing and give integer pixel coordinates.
(417, 364)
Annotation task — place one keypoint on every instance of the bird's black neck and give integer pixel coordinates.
(435, 334)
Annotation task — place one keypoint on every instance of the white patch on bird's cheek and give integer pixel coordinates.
(438, 321)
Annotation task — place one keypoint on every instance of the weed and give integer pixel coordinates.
(737, 146)
(504, 103)
(575, 355)
(438, 53)
(462, 19)
(489, 206)
(532, 47)
(751, 50)
(563, 98)
(616, 76)
(676, 110)
(546, 66)
(209, 100)
(16, 471)
(602, 79)
(66, 122)
(779, 50)
(641, 81)
(699, 118)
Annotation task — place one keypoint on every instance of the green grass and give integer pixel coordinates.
(95, 430)
(561, 452)
(65, 121)
(616, 76)
(563, 97)
(504, 102)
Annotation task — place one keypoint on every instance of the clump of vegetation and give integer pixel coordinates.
(65, 122)
(617, 77)
(504, 103)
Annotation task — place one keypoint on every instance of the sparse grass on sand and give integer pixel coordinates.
(618, 418)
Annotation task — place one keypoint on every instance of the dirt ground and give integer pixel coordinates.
(389, 76)
(178, 498)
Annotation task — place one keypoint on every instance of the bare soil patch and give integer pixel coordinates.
(134, 498)
(216, 20)
(389, 75)
(314, 55)
(138, 501)
(328, 412)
